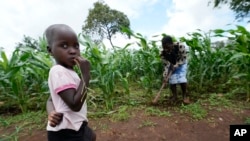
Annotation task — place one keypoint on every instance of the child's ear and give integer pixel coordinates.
(49, 50)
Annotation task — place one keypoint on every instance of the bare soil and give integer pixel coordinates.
(177, 127)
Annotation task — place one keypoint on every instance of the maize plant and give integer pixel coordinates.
(23, 77)
(223, 68)
(239, 61)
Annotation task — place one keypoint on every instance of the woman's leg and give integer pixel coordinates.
(174, 92)
(184, 90)
(184, 93)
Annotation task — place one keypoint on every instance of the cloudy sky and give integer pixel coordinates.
(148, 17)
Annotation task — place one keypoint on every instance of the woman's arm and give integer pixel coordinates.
(182, 56)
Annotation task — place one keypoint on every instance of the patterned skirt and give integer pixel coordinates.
(178, 76)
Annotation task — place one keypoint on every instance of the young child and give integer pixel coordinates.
(67, 120)
(174, 58)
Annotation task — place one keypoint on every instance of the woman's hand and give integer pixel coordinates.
(55, 118)
(175, 66)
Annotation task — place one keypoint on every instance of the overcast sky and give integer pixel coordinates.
(148, 17)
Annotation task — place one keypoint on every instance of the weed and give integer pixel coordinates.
(217, 100)
(13, 136)
(247, 120)
(147, 124)
(31, 119)
(157, 112)
(121, 115)
(102, 126)
(196, 110)
(26, 121)
(4, 122)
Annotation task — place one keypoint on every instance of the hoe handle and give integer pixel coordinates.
(162, 86)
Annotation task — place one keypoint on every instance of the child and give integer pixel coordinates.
(67, 120)
(174, 56)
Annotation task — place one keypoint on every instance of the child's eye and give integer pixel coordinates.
(64, 45)
(77, 46)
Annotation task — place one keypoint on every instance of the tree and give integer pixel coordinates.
(240, 7)
(37, 45)
(28, 42)
(103, 22)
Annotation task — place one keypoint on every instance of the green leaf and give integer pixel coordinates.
(4, 62)
(218, 31)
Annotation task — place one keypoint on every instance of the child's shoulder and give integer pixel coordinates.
(60, 69)
(54, 67)
(57, 68)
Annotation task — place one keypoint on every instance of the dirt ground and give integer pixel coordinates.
(177, 127)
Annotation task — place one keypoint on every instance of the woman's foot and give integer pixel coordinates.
(173, 99)
(186, 100)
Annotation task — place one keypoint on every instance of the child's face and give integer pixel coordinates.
(65, 48)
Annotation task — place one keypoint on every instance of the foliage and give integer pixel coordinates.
(220, 69)
(212, 69)
(122, 114)
(13, 136)
(22, 75)
(116, 67)
(37, 45)
(105, 73)
(24, 124)
(156, 112)
(247, 120)
(195, 110)
(147, 123)
(240, 7)
(104, 22)
(128, 77)
(146, 63)
(239, 60)
(28, 42)
(218, 100)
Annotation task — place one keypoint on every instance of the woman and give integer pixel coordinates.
(174, 58)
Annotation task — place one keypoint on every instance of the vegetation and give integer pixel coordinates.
(240, 7)
(103, 22)
(128, 77)
(216, 70)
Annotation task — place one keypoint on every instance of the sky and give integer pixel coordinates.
(147, 17)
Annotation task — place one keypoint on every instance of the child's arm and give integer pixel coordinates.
(75, 98)
(53, 117)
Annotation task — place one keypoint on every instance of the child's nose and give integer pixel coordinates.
(72, 50)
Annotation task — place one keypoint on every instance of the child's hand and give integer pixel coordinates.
(55, 118)
(84, 66)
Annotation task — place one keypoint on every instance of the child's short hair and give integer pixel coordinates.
(50, 31)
